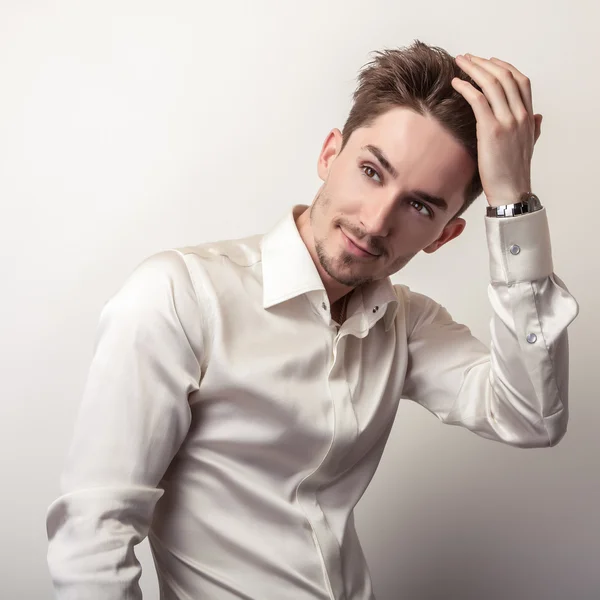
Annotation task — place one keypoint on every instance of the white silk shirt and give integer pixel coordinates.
(230, 419)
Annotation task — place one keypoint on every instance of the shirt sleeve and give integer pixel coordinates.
(515, 392)
(133, 417)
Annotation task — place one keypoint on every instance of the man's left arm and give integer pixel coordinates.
(516, 392)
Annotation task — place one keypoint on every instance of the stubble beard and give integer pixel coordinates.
(328, 263)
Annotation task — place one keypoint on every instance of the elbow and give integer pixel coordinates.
(545, 433)
(547, 440)
(556, 426)
(548, 432)
(555, 436)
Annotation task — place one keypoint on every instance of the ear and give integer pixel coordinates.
(331, 148)
(452, 230)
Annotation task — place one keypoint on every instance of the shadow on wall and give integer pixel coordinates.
(461, 525)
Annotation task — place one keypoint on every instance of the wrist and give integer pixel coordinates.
(526, 203)
(509, 198)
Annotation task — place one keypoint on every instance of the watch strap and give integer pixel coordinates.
(528, 203)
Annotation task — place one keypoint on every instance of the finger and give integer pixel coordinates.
(522, 81)
(479, 103)
(508, 81)
(538, 127)
(491, 86)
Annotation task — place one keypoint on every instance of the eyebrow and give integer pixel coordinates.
(385, 163)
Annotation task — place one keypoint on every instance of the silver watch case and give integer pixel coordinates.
(528, 203)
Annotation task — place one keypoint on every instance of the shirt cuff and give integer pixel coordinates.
(519, 247)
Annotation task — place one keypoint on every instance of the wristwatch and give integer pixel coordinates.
(528, 203)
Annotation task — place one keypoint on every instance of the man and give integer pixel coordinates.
(241, 392)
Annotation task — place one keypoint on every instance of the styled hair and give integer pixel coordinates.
(417, 77)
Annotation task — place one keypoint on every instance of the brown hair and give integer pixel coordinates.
(417, 77)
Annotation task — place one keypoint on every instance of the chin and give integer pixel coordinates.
(344, 270)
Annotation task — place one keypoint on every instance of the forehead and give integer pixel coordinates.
(426, 155)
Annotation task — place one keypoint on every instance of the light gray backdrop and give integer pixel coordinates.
(127, 127)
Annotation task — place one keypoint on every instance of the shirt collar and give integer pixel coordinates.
(289, 270)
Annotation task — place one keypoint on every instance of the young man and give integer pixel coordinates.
(241, 392)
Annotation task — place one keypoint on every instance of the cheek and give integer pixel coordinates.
(416, 232)
(348, 189)
(412, 238)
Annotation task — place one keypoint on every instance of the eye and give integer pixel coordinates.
(370, 172)
(427, 213)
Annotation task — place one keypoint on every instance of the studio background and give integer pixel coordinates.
(130, 127)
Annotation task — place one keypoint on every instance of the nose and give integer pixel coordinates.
(376, 218)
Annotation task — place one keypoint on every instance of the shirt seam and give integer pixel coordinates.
(181, 326)
(205, 358)
(218, 254)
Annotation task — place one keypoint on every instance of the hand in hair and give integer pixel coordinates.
(507, 128)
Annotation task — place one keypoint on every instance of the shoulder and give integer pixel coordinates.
(177, 271)
(162, 273)
(418, 309)
(158, 290)
(184, 281)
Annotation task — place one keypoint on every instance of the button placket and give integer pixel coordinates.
(343, 436)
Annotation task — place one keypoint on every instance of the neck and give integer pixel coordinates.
(339, 309)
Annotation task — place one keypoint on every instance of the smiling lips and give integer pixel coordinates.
(355, 248)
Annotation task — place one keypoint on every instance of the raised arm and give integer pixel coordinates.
(515, 392)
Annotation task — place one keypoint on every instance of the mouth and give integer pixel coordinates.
(355, 248)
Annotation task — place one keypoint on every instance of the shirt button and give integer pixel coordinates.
(514, 249)
(324, 306)
(532, 338)
(376, 309)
